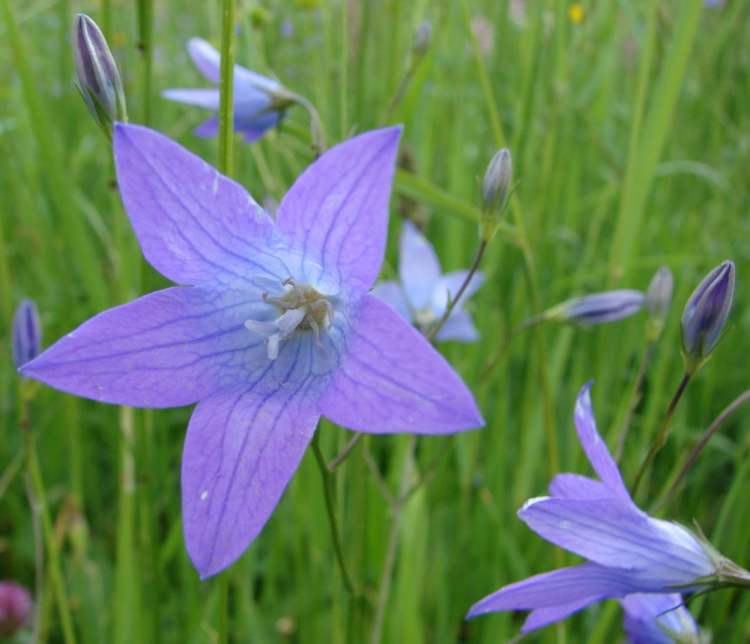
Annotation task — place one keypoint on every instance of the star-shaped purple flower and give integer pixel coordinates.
(271, 327)
(422, 295)
(259, 101)
(659, 619)
(627, 550)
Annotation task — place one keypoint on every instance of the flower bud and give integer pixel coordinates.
(597, 308)
(706, 313)
(495, 191)
(658, 301)
(15, 607)
(27, 334)
(422, 38)
(98, 77)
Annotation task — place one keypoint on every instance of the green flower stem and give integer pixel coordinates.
(635, 398)
(146, 47)
(327, 478)
(663, 433)
(39, 501)
(226, 88)
(689, 461)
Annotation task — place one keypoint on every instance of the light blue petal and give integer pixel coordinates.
(419, 267)
(450, 284)
(392, 293)
(458, 327)
(206, 98)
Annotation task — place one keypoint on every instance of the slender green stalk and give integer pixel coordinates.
(226, 88)
(635, 398)
(146, 47)
(435, 329)
(37, 491)
(692, 457)
(663, 433)
(327, 479)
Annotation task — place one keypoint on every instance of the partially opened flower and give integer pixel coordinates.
(259, 101)
(659, 619)
(271, 327)
(627, 550)
(423, 293)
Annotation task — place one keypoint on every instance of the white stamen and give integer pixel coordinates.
(273, 346)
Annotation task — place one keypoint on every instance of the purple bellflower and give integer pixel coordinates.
(271, 327)
(659, 619)
(423, 293)
(627, 550)
(259, 101)
(597, 308)
(27, 333)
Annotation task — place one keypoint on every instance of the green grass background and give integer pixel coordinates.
(630, 135)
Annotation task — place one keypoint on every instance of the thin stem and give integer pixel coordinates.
(145, 45)
(430, 335)
(316, 124)
(37, 492)
(332, 521)
(226, 87)
(397, 507)
(344, 453)
(663, 433)
(495, 358)
(701, 444)
(635, 398)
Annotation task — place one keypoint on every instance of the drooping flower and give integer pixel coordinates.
(271, 327)
(627, 550)
(27, 333)
(706, 313)
(423, 293)
(659, 619)
(597, 308)
(15, 607)
(259, 101)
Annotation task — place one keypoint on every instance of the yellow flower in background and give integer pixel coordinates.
(575, 13)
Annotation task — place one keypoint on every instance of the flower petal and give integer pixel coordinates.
(595, 448)
(545, 616)
(392, 380)
(241, 450)
(206, 98)
(648, 617)
(459, 327)
(206, 58)
(208, 61)
(575, 486)
(194, 224)
(392, 293)
(165, 349)
(208, 129)
(257, 127)
(419, 267)
(450, 284)
(611, 533)
(586, 582)
(337, 210)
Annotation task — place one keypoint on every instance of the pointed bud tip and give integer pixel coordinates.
(97, 75)
(706, 313)
(27, 333)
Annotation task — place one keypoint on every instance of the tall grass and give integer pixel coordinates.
(630, 140)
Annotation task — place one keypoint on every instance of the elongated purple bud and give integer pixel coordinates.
(659, 301)
(706, 314)
(15, 607)
(27, 333)
(495, 191)
(98, 77)
(597, 308)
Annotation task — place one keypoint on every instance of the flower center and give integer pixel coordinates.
(300, 308)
